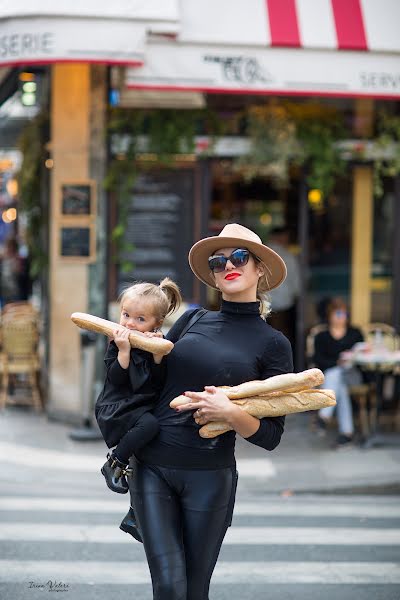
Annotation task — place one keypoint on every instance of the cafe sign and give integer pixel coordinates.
(288, 71)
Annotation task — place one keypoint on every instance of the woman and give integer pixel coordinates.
(183, 486)
(328, 345)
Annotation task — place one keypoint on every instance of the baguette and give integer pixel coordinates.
(279, 405)
(289, 382)
(155, 345)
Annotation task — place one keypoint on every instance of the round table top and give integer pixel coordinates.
(371, 357)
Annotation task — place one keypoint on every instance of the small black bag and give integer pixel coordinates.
(193, 319)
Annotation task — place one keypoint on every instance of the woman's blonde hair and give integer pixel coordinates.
(165, 297)
(262, 288)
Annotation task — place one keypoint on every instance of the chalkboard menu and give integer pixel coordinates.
(160, 227)
(75, 241)
(76, 199)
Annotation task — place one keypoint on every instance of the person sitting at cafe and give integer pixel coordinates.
(328, 346)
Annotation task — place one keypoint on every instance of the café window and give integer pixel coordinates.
(382, 261)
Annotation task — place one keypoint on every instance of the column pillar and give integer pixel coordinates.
(73, 285)
(361, 256)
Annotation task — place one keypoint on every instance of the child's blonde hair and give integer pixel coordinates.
(165, 296)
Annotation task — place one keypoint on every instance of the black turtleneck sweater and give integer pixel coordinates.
(227, 347)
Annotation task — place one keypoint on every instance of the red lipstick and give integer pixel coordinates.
(232, 276)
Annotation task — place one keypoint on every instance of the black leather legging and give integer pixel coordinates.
(183, 516)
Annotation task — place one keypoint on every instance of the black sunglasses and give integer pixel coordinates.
(239, 258)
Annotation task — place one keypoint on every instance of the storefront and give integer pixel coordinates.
(342, 55)
(224, 57)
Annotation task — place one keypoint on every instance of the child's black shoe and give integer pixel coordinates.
(130, 525)
(114, 472)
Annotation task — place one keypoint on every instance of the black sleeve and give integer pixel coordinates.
(114, 372)
(158, 374)
(358, 336)
(179, 325)
(324, 355)
(277, 360)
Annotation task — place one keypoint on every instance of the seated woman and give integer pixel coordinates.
(328, 345)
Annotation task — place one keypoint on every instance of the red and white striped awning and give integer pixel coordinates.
(324, 24)
(322, 47)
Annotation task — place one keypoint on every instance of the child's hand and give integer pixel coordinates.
(158, 358)
(121, 339)
(158, 334)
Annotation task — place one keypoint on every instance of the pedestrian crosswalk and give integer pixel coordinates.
(328, 546)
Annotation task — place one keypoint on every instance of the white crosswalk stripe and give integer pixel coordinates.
(261, 573)
(109, 534)
(259, 468)
(261, 527)
(265, 509)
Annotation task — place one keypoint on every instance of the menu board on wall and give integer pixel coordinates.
(160, 227)
(75, 241)
(76, 199)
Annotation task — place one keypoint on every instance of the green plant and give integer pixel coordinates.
(285, 134)
(32, 144)
(168, 134)
(387, 147)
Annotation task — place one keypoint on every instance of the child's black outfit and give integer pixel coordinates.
(123, 410)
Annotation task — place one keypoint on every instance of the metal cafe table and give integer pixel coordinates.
(378, 362)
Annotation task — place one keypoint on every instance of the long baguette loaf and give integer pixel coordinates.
(137, 339)
(289, 382)
(280, 404)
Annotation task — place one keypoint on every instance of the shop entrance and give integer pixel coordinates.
(257, 204)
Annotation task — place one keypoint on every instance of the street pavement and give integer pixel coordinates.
(301, 527)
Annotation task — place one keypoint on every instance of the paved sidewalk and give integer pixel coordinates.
(302, 463)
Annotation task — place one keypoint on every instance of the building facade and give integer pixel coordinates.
(225, 57)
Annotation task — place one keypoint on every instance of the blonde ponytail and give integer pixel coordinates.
(171, 290)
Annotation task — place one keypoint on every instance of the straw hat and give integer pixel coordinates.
(234, 235)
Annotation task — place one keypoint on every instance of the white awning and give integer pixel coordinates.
(286, 71)
(324, 47)
(84, 31)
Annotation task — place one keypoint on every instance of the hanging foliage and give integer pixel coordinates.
(32, 145)
(387, 149)
(164, 134)
(286, 134)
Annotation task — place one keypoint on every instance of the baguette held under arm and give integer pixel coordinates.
(155, 345)
(278, 404)
(289, 382)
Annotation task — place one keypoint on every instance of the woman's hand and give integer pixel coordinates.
(210, 405)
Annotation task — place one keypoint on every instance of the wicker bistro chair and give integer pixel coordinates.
(20, 306)
(360, 394)
(20, 356)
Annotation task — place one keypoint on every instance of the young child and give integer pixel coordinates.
(130, 388)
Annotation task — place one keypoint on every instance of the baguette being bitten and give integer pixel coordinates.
(279, 404)
(289, 382)
(155, 345)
